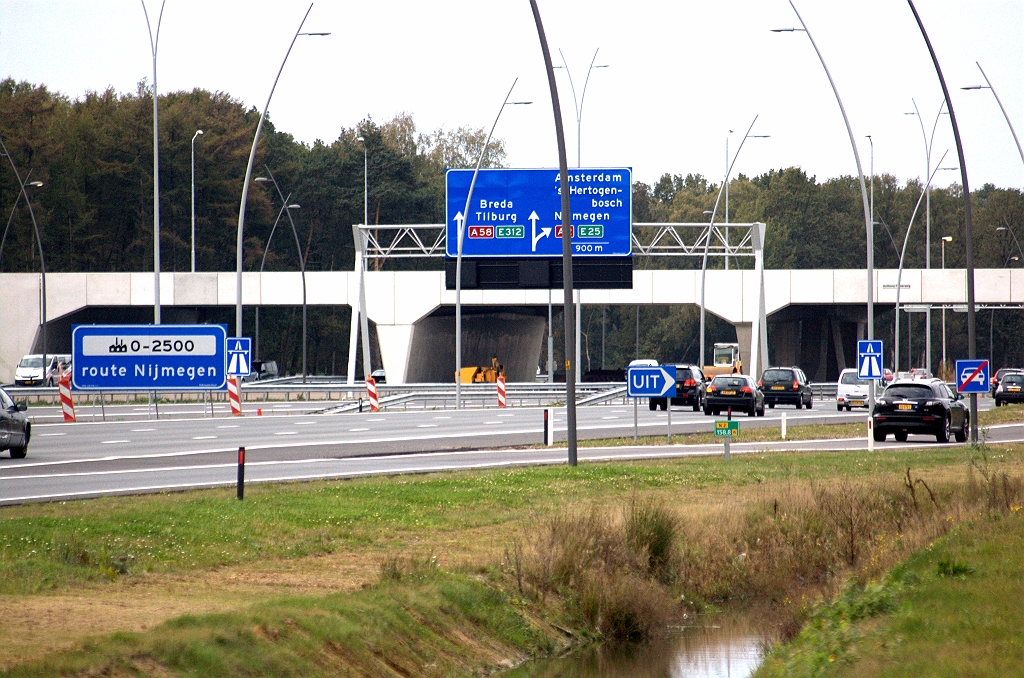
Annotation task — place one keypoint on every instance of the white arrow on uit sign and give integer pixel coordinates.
(544, 232)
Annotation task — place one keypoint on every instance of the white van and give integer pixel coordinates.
(852, 391)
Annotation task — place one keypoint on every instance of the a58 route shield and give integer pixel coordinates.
(518, 212)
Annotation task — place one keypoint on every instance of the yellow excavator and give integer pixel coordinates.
(482, 375)
(726, 361)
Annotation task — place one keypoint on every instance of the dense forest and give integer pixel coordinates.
(94, 157)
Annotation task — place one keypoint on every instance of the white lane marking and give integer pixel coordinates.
(609, 417)
(442, 417)
(142, 430)
(286, 433)
(377, 419)
(304, 423)
(111, 442)
(229, 426)
(204, 437)
(353, 430)
(492, 422)
(504, 415)
(47, 435)
(426, 426)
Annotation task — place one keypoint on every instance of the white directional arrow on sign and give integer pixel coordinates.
(458, 220)
(544, 232)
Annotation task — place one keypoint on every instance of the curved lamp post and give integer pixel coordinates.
(1009, 230)
(711, 230)
(579, 123)
(198, 132)
(248, 177)
(39, 240)
(263, 263)
(298, 250)
(899, 275)
(14, 208)
(154, 43)
(868, 225)
(972, 344)
(988, 86)
(458, 254)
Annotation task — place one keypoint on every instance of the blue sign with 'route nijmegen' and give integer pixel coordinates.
(518, 212)
(149, 357)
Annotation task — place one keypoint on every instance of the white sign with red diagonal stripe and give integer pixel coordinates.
(67, 405)
(972, 376)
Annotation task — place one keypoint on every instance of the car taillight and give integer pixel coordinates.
(760, 383)
(711, 389)
(745, 389)
(796, 386)
(689, 382)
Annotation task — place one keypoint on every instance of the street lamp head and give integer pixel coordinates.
(1002, 228)
(260, 180)
(708, 212)
(360, 139)
(977, 87)
(37, 184)
(294, 207)
(947, 238)
(788, 30)
(198, 132)
(314, 33)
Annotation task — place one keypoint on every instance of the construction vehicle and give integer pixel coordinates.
(726, 361)
(482, 375)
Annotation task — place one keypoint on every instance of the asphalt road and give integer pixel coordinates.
(86, 459)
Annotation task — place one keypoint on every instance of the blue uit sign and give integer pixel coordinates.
(240, 356)
(869, 359)
(645, 382)
(972, 376)
(149, 357)
(518, 212)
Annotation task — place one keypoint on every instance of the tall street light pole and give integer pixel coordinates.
(298, 251)
(458, 253)
(39, 241)
(153, 45)
(263, 263)
(579, 125)
(711, 231)
(198, 132)
(1009, 230)
(358, 318)
(988, 86)
(928, 143)
(248, 178)
(563, 176)
(726, 200)
(972, 347)
(868, 225)
(945, 239)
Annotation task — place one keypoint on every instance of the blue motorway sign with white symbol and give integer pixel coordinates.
(972, 376)
(518, 212)
(657, 381)
(149, 357)
(240, 356)
(869, 359)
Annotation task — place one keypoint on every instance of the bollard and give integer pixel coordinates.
(668, 409)
(871, 434)
(241, 473)
(727, 438)
(546, 425)
(783, 425)
(549, 426)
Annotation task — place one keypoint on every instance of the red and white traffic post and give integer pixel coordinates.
(371, 393)
(66, 403)
(234, 396)
(501, 391)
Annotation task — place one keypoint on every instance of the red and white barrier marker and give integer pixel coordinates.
(501, 391)
(371, 393)
(234, 396)
(66, 403)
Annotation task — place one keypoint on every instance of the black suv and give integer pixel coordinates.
(920, 406)
(786, 386)
(690, 385)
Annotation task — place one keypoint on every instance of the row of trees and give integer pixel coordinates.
(94, 155)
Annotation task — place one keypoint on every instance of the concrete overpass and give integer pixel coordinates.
(814, 316)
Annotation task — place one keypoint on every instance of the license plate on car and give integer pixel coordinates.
(905, 406)
(778, 388)
(1013, 388)
(858, 403)
(728, 392)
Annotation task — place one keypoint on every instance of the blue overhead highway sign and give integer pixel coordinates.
(658, 382)
(518, 212)
(149, 357)
(972, 376)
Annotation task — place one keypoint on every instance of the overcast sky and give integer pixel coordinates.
(680, 74)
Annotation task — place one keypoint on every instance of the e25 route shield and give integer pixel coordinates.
(518, 212)
(149, 357)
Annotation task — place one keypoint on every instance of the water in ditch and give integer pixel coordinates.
(722, 648)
